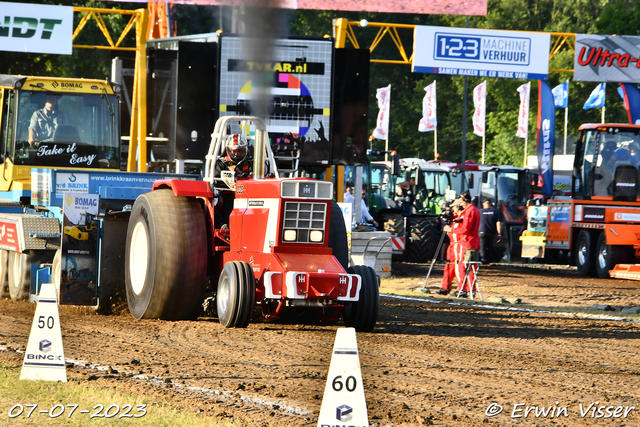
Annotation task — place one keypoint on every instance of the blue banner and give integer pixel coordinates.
(546, 135)
(631, 96)
(561, 95)
(597, 97)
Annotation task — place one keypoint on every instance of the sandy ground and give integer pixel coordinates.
(429, 361)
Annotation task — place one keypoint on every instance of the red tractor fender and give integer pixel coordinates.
(185, 188)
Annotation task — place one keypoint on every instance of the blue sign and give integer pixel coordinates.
(481, 53)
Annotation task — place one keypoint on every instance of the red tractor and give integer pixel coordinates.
(285, 245)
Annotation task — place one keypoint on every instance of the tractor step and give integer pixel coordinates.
(626, 271)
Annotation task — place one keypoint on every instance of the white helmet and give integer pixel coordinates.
(236, 147)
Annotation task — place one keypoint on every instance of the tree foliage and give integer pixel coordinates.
(407, 88)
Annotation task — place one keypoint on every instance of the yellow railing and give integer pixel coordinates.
(344, 30)
(138, 19)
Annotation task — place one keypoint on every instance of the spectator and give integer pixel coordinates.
(348, 193)
(45, 121)
(450, 266)
(366, 216)
(490, 232)
(405, 197)
(466, 231)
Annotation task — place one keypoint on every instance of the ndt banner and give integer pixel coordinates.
(382, 128)
(607, 58)
(480, 102)
(36, 28)
(546, 135)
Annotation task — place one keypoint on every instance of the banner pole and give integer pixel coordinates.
(435, 143)
(603, 107)
(566, 119)
(482, 150)
(526, 140)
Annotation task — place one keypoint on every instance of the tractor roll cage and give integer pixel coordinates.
(262, 148)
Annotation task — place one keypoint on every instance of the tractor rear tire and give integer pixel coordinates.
(56, 272)
(363, 314)
(4, 273)
(166, 257)
(425, 235)
(236, 295)
(393, 223)
(585, 251)
(609, 255)
(338, 236)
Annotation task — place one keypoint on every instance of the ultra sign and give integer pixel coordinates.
(36, 28)
(482, 53)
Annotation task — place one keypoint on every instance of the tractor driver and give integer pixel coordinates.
(45, 121)
(239, 159)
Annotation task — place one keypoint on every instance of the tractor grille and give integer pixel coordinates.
(307, 189)
(304, 217)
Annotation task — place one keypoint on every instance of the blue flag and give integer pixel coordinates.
(561, 95)
(597, 97)
(546, 135)
(631, 96)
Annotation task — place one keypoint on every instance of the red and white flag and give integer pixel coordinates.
(523, 114)
(480, 102)
(429, 121)
(382, 126)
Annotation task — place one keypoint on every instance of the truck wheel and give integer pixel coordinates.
(338, 236)
(236, 295)
(609, 255)
(166, 257)
(4, 273)
(19, 275)
(363, 314)
(585, 254)
(425, 234)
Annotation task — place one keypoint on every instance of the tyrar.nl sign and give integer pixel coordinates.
(34, 28)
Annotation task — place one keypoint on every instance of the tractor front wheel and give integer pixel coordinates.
(585, 254)
(4, 273)
(166, 257)
(363, 314)
(236, 295)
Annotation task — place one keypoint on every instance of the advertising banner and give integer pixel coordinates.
(78, 264)
(601, 58)
(480, 102)
(546, 135)
(481, 53)
(382, 129)
(631, 96)
(298, 82)
(433, 7)
(36, 28)
(429, 120)
(523, 113)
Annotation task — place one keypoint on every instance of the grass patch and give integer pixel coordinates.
(55, 396)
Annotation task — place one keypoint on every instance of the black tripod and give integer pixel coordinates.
(435, 257)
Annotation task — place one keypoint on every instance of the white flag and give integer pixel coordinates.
(480, 102)
(428, 121)
(523, 115)
(382, 126)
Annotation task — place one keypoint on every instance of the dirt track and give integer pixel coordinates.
(426, 363)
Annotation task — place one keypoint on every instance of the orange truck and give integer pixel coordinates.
(598, 225)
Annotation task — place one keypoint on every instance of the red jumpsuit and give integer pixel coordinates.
(450, 266)
(468, 238)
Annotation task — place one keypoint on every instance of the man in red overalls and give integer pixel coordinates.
(450, 266)
(468, 238)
